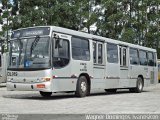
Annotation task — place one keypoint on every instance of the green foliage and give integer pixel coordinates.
(134, 21)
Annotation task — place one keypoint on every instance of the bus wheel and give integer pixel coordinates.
(45, 94)
(139, 86)
(82, 87)
(111, 90)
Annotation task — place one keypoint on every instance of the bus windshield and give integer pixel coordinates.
(30, 53)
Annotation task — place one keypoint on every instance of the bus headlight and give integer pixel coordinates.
(45, 79)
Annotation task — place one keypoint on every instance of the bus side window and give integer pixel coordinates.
(150, 59)
(112, 53)
(94, 52)
(124, 57)
(134, 59)
(80, 49)
(143, 57)
(100, 54)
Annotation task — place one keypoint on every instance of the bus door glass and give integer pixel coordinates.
(60, 53)
(123, 53)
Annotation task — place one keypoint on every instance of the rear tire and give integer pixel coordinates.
(111, 90)
(45, 94)
(82, 89)
(139, 86)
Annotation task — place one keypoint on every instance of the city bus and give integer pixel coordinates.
(52, 59)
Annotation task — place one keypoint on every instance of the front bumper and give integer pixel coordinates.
(29, 86)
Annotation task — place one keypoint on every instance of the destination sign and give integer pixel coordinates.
(30, 32)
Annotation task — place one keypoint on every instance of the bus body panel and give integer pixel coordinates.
(112, 75)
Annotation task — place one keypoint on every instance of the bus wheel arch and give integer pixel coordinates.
(83, 81)
(141, 76)
(139, 85)
(45, 94)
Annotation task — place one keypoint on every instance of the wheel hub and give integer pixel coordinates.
(83, 86)
(140, 85)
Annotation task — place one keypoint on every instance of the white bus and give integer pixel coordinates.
(53, 59)
(3, 64)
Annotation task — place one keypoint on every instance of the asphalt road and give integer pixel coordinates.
(27, 102)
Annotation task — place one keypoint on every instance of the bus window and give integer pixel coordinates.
(120, 54)
(61, 54)
(94, 52)
(150, 59)
(143, 57)
(100, 54)
(124, 57)
(112, 53)
(134, 60)
(80, 49)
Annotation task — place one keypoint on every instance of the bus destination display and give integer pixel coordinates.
(30, 32)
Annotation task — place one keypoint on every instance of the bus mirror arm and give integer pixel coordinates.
(58, 41)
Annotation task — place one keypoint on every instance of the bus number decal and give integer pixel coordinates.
(12, 73)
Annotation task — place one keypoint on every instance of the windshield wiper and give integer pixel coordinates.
(34, 44)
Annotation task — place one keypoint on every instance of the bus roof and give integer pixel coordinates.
(90, 36)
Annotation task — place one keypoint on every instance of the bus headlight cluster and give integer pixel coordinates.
(45, 79)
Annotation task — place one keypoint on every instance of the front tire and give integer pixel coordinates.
(82, 89)
(45, 94)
